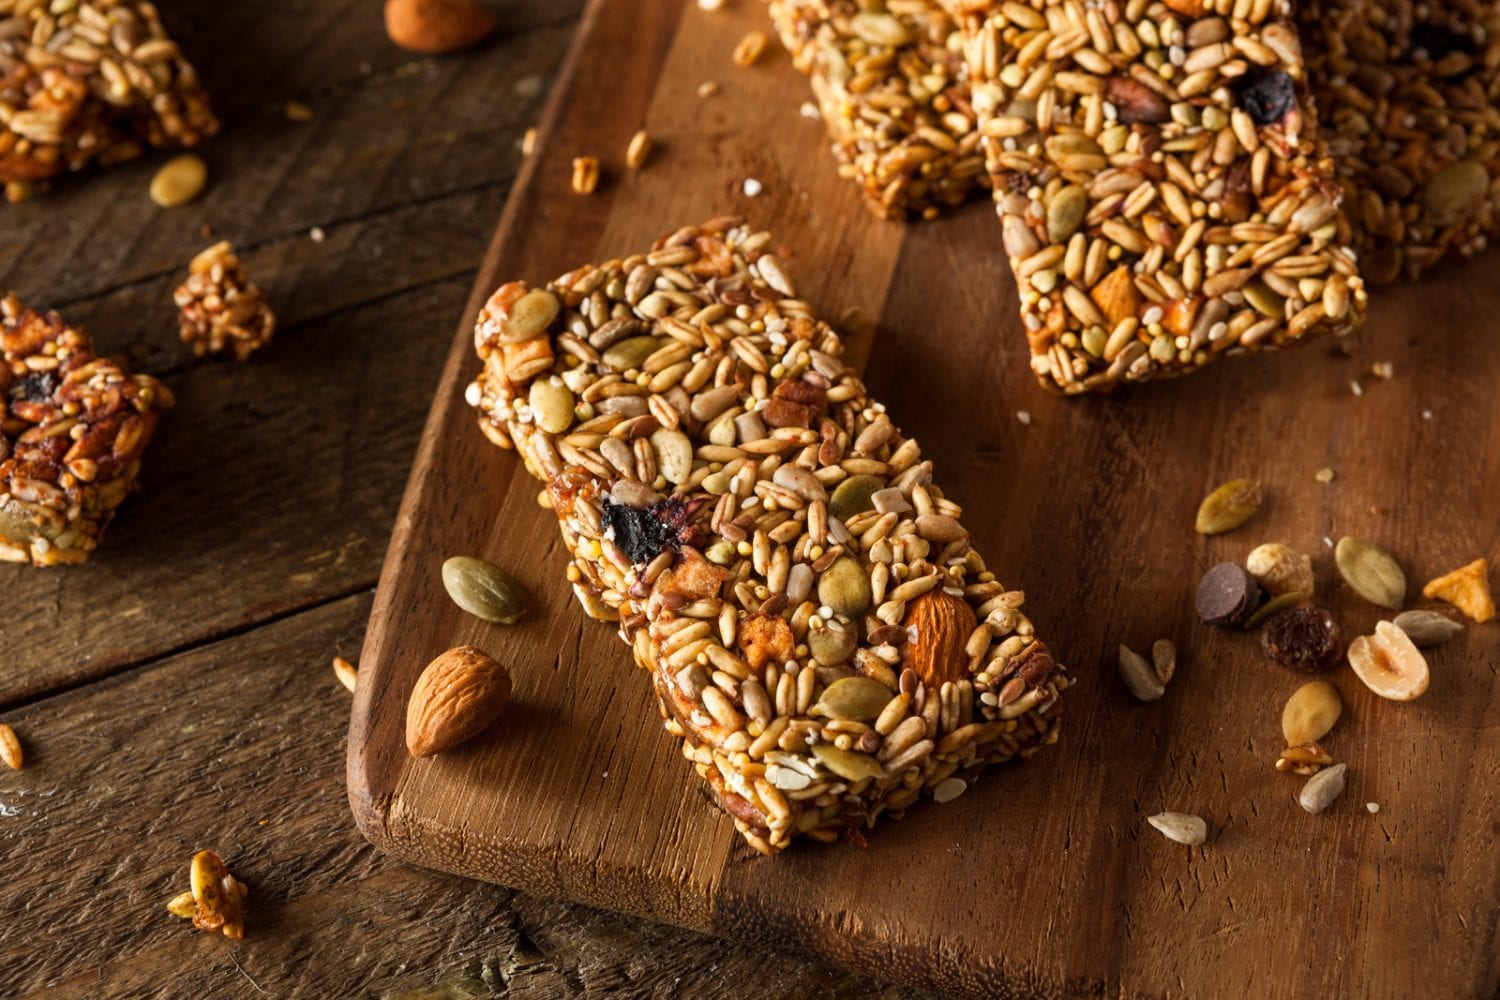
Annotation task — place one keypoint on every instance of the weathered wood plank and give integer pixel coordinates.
(1044, 880)
(237, 746)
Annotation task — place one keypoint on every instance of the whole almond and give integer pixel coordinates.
(940, 624)
(436, 26)
(458, 695)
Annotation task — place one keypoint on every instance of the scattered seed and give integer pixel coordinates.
(1275, 605)
(707, 88)
(179, 181)
(1228, 507)
(638, 150)
(1372, 807)
(1305, 639)
(484, 590)
(710, 5)
(1371, 572)
(10, 748)
(1280, 569)
(1322, 788)
(316, 234)
(296, 111)
(345, 672)
(585, 174)
(752, 187)
(1024, 416)
(1227, 595)
(1141, 677)
(1184, 828)
(1427, 628)
(182, 905)
(1164, 659)
(748, 52)
(810, 110)
(1355, 387)
(1310, 713)
(1467, 589)
(1383, 369)
(949, 789)
(1324, 475)
(1389, 664)
(528, 142)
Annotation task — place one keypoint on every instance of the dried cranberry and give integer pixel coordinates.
(643, 533)
(1267, 94)
(1305, 639)
(38, 387)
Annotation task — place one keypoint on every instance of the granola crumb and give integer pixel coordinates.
(1024, 416)
(1328, 541)
(707, 88)
(1383, 369)
(528, 142)
(752, 187)
(1372, 807)
(710, 5)
(1355, 387)
(1426, 414)
(296, 111)
(1324, 475)
(316, 234)
(810, 110)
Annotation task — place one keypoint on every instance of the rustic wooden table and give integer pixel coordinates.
(175, 693)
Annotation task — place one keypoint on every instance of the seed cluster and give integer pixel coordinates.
(73, 427)
(894, 96)
(90, 82)
(219, 309)
(818, 630)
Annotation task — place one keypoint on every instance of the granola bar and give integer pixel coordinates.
(93, 81)
(1164, 194)
(894, 97)
(1408, 94)
(73, 427)
(818, 630)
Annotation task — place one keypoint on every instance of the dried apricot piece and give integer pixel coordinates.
(1467, 589)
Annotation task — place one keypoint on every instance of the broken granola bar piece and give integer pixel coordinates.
(894, 97)
(220, 310)
(1409, 95)
(816, 626)
(95, 81)
(73, 427)
(1164, 195)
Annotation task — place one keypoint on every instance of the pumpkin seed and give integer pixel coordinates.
(1265, 301)
(1140, 676)
(1371, 571)
(1455, 193)
(852, 496)
(674, 454)
(629, 353)
(1427, 628)
(851, 765)
(1184, 828)
(1322, 788)
(1275, 604)
(530, 316)
(857, 698)
(1310, 713)
(17, 527)
(551, 405)
(1228, 507)
(831, 646)
(1065, 213)
(845, 588)
(484, 590)
(179, 181)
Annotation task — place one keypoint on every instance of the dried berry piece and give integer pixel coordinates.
(1227, 595)
(1266, 94)
(643, 533)
(1305, 639)
(38, 387)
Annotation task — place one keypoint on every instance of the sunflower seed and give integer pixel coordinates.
(1184, 828)
(1427, 628)
(1140, 676)
(1322, 788)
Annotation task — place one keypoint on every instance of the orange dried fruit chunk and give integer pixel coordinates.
(1467, 589)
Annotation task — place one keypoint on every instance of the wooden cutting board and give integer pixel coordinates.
(1044, 880)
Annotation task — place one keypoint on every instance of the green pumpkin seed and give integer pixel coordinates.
(851, 765)
(17, 527)
(845, 588)
(1278, 603)
(551, 405)
(1228, 507)
(484, 590)
(1265, 301)
(629, 353)
(720, 553)
(857, 698)
(1065, 213)
(1371, 571)
(830, 646)
(530, 316)
(852, 496)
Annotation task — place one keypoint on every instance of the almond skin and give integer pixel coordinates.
(433, 27)
(942, 625)
(458, 695)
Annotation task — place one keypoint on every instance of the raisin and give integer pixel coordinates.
(1305, 639)
(643, 533)
(38, 387)
(1266, 94)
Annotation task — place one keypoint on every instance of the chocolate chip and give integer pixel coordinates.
(1227, 595)
(644, 533)
(1266, 94)
(1305, 639)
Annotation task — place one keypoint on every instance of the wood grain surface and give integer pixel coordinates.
(175, 692)
(1044, 880)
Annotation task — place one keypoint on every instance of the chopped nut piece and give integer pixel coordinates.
(1467, 589)
(707, 88)
(220, 310)
(345, 672)
(585, 174)
(10, 748)
(750, 49)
